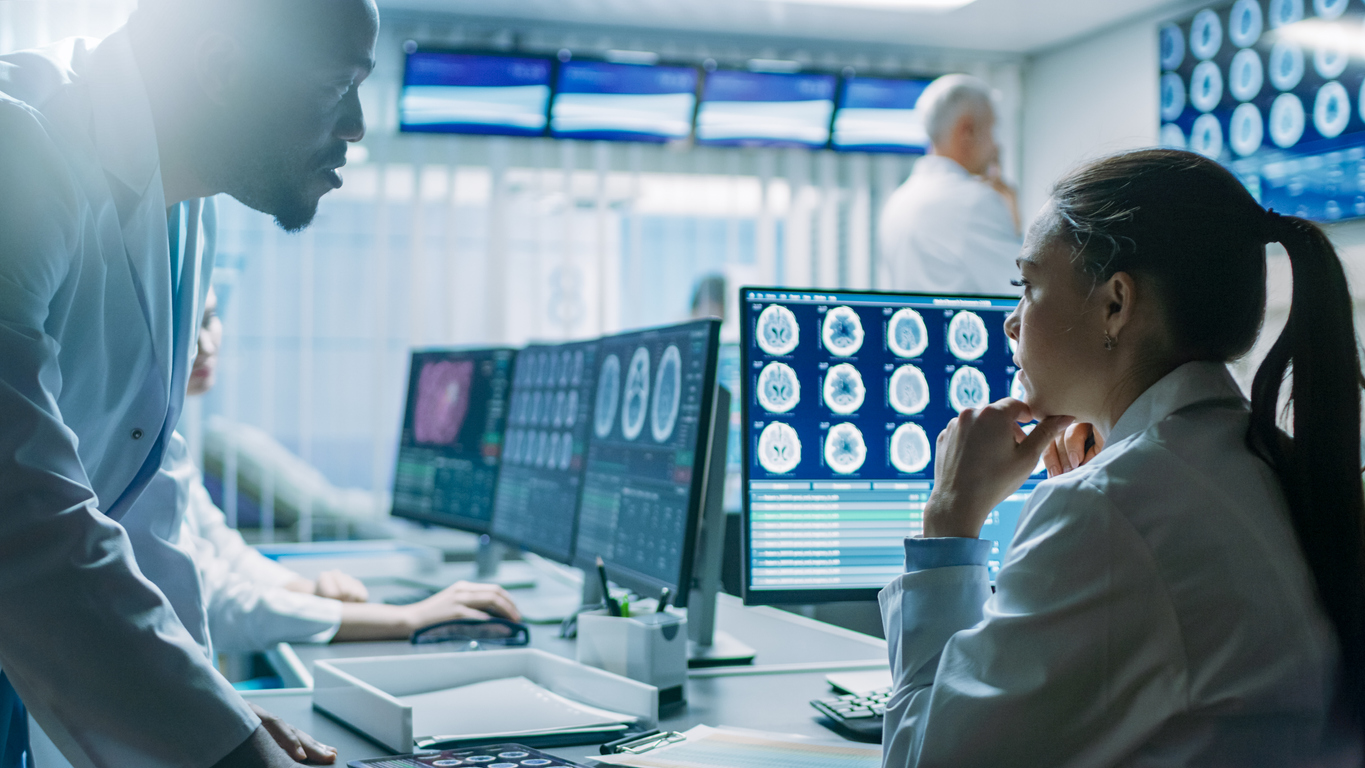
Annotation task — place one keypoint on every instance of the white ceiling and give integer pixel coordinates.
(1003, 26)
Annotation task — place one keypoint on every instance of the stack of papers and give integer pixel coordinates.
(734, 748)
(511, 708)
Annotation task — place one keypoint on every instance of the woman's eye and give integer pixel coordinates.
(1018, 283)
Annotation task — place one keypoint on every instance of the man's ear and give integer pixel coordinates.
(1117, 299)
(219, 68)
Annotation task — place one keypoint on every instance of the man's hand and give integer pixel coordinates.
(983, 456)
(998, 183)
(294, 742)
(276, 744)
(463, 600)
(1069, 450)
(340, 586)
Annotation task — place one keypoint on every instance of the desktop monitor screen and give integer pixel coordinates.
(547, 446)
(623, 102)
(647, 455)
(844, 396)
(762, 109)
(451, 444)
(474, 93)
(878, 115)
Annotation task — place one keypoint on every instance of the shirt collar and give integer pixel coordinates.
(1187, 385)
(123, 131)
(940, 165)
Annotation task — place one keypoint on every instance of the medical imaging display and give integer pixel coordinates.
(550, 419)
(450, 92)
(879, 115)
(761, 109)
(1275, 91)
(646, 452)
(844, 397)
(623, 102)
(452, 439)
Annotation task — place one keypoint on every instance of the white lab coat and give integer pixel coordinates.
(95, 345)
(946, 231)
(1153, 609)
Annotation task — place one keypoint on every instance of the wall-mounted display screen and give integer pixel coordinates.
(474, 93)
(765, 109)
(623, 102)
(879, 115)
(1273, 90)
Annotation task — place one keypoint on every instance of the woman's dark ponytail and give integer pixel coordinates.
(1319, 466)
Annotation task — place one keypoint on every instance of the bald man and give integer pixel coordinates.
(106, 148)
(953, 226)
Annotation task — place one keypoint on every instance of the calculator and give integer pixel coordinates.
(857, 716)
(491, 756)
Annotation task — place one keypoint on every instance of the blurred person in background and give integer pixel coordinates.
(708, 298)
(953, 226)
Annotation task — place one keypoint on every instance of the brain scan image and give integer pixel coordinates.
(537, 407)
(576, 377)
(1331, 57)
(1246, 76)
(635, 401)
(1285, 12)
(442, 401)
(968, 389)
(906, 334)
(1206, 34)
(1017, 387)
(1286, 120)
(1172, 137)
(542, 368)
(1245, 23)
(1206, 86)
(667, 395)
(542, 448)
(565, 450)
(844, 390)
(608, 395)
(779, 449)
(558, 419)
(910, 449)
(845, 450)
(1172, 96)
(842, 331)
(909, 390)
(778, 333)
(565, 368)
(1246, 130)
(552, 452)
(1173, 46)
(1330, 9)
(571, 409)
(1331, 110)
(967, 337)
(1286, 65)
(1206, 136)
(510, 443)
(778, 388)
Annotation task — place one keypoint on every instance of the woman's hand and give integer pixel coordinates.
(340, 586)
(1069, 450)
(983, 456)
(464, 600)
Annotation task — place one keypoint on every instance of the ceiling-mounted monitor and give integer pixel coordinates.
(623, 102)
(445, 92)
(1272, 90)
(764, 109)
(879, 115)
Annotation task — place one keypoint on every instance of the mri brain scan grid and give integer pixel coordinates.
(1274, 90)
(861, 387)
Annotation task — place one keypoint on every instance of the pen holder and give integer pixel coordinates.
(651, 648)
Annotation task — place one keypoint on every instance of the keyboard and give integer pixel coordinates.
(856, 716)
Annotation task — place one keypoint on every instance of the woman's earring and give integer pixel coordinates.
(1109, 341)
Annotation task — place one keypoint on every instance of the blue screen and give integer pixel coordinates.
(878, 115)
(845, 395)
(472, 93)
(624, 102)
(764, 109)
(1273, 92)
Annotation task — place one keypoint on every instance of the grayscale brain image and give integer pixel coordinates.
(636, 398)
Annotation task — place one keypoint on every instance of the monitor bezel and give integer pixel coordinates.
(455, 522)
(799, 595)
(478, 51)
(629, 578)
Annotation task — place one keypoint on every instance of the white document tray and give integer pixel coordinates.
(361, 692)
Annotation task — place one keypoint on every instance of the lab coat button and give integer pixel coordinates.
(137, 434)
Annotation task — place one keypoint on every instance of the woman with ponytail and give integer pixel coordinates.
(1194, 593)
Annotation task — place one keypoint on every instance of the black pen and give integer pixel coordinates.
(663, 599)
(610, 747)
(612, 608)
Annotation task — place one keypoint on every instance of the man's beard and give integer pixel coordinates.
(276, 183)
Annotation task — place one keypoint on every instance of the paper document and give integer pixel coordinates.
(511, 706)
(732, 748)
(861, 683)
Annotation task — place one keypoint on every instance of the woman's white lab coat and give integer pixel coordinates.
(1153, 609)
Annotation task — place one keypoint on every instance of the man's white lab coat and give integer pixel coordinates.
(946, 231)
(97, 329)
(1153, 609)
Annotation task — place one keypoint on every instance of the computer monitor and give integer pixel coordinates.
(844, 395)
(763, 109)
(547, 445)
(460, 92)
(598, 100)
(647, 456)
(451, 444)
(879, 115)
